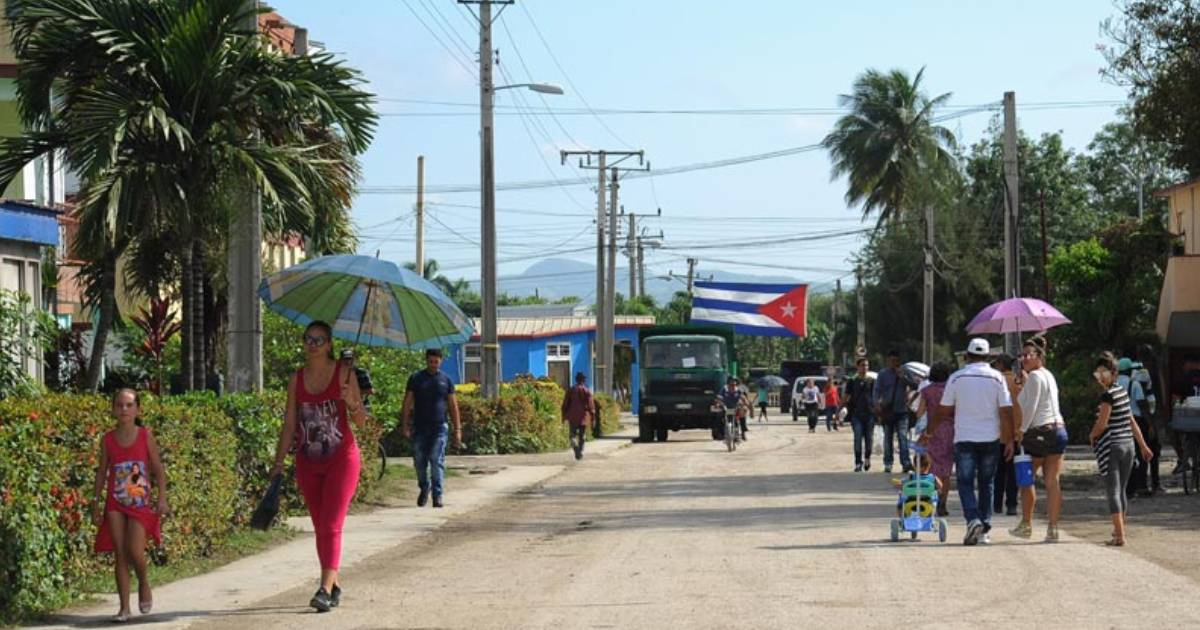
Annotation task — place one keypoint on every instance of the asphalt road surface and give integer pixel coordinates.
(780, 534)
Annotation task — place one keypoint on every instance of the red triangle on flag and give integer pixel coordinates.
(790, 310)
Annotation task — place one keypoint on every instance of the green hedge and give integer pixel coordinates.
(217, 453)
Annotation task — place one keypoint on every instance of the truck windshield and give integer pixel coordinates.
(704, 354)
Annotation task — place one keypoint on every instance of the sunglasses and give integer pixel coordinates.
(315, 340)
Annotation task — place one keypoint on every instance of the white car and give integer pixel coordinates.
(798, 394)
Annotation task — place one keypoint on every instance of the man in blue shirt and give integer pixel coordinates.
(891, 407)
(430, 393)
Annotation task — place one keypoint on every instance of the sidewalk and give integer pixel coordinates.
(239, 584)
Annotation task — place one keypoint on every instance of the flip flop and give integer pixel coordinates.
(120, 617)
(144, 607)
(1115, 542)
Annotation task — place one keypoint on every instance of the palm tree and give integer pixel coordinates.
(168, 110)
(888, 142)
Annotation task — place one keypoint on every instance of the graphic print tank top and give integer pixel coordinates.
(323, 430)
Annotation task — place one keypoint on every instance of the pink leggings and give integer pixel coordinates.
(327, 493)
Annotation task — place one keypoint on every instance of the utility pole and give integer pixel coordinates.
(1045, 252)
(630, 249)
(420, 212)
(605, 286)
(244, 260)
(1012, 268)
(927, 311)
(641, 267)
(691, 274)
(833, 324)
(837, 313)
(861, 341)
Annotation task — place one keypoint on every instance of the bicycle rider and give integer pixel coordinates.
(730, 398)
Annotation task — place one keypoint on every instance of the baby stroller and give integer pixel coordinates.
(918, 500)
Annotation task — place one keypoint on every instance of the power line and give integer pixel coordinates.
(453, 55)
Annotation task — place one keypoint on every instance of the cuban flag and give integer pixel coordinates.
(766, 310)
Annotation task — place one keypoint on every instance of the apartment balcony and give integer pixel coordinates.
(1179, 303)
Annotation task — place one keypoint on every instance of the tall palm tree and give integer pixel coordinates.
(166, 109)
(888, 142)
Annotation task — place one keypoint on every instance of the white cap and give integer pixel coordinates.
(979, 347)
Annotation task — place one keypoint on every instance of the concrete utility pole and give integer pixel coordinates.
(244, 260)
(861, 341)
(837, 309)
(605, 286)
(630, 249)
(691, 277)
(1012, 262)
(420, 212)
(1045, 248)
(833, 323)
(927, 312)
(641, 267)
(489, 350)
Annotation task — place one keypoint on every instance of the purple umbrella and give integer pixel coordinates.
(1016, 315)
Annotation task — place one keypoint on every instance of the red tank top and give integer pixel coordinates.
(129, 471)
(322, 428)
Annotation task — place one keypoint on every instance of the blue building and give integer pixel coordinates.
(25, 231)
(555, 341)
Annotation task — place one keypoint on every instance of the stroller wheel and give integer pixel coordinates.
(943, 529)
(895, 530)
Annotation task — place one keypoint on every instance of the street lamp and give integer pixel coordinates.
(489, 346)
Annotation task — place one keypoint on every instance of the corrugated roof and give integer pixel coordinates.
(532, 327)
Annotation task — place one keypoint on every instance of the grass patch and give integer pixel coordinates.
(397, 488)
(239, 544)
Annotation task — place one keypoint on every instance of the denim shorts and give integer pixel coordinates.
(1055, 444)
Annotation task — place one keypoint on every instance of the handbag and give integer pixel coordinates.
(1039, 441)
(268, 506)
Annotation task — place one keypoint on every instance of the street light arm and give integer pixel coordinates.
(542, 88)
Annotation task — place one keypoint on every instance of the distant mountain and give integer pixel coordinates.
(555, 278)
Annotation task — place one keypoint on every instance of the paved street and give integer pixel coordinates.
(684, 534)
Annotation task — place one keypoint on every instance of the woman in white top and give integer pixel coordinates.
(812, 397)
(1042, 434)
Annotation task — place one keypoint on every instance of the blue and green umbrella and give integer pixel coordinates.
(368, 301)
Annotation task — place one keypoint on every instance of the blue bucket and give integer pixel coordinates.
(1023, 464)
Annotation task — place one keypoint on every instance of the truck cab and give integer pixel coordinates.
(683, 368)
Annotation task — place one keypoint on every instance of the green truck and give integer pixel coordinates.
(682, 370)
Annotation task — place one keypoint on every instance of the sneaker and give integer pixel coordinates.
(887, 469)
(858, 468)
(1022, 530)
(867, 464)
(974, 531)
(335, 596)
(907, 468)
(422, 498)
(1051, 534)
(437, 500)
(321, 600)
(985, 539)
(1012, 511)
(942, 511)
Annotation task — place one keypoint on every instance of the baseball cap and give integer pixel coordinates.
(1124, 365)
(979, 347)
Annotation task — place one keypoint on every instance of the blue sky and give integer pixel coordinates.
(669, 55)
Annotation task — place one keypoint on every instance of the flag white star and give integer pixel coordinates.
(789, 310)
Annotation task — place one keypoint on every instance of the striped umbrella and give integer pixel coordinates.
(367, 300)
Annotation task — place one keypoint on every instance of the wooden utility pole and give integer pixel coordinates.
(927, 311)
(1012, 263)
(420, 212)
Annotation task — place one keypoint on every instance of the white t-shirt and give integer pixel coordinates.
(1039, 400)
(977, 393)
(811, 394)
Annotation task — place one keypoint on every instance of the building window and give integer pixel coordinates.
(472, 372)
(558, 352)
(558, 363)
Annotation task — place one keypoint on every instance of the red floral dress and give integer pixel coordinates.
(128, 487)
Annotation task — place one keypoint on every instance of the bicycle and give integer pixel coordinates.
(732, 428)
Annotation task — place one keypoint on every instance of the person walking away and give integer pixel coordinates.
(1138, 478)
(1113, 438)
(322, 399)
(123, 507)
(744, 407)
(1042, 434)
(762, 403)
(1004, 492)
(1145, 371)
(860, 399)
(577, 409)
(811, 395)
(429, 397)
(939, 432)
(891, 407)
(832, 403)
(978, 399)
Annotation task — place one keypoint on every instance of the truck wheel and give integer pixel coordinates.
(645, 431)
(661, 434)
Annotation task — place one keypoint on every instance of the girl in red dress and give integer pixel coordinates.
(129, 458)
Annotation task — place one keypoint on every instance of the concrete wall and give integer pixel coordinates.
(1185, 217)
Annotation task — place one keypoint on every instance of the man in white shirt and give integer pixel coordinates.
(977, 399)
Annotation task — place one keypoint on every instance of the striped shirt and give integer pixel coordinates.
(1120, 421)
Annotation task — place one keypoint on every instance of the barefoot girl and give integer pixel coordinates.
(322, 398)
(129, 458)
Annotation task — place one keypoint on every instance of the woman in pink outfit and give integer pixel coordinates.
(938, 435)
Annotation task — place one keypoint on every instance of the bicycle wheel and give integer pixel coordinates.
(729, 444)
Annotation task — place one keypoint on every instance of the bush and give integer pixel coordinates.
(610, 414)
(217, 453)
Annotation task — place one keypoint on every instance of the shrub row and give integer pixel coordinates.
(217, 453)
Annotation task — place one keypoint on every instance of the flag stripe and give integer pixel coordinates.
(724, 305)
(749, 297)
(731, 317)
(761, 331)
(749, 287)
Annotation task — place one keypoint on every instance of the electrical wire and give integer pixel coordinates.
(453, 55)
